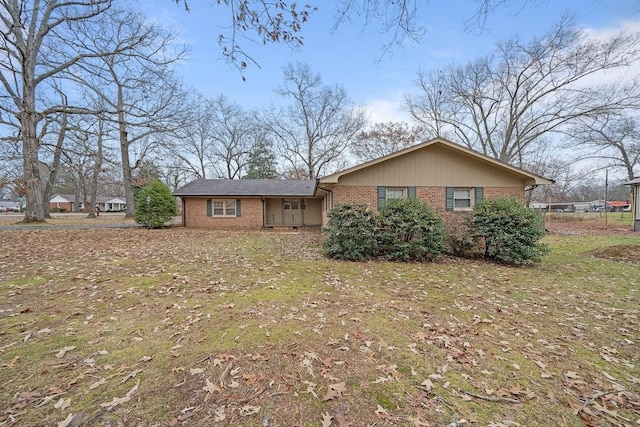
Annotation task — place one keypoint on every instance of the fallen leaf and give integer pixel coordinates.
(382, 413)
(326, 420)
(130, 375)
(248, 410)
(334, 391)
(60, 354)
(341, 420)
(66, 421)
(62, 404)
(427, 384)
(572, 375)
(196, 371)
(210, 387)
(120, 400)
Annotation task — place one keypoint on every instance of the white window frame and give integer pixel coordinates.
(470, 199)
(397, 190)
(228, 206)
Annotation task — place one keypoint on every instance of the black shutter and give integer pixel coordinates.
(382, 196)
(479, 194)
(411, 192)
(237, 207)
(209, 207)
(449, 200)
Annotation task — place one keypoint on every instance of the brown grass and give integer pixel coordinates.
(188, 327)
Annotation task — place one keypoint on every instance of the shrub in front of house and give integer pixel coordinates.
(459, 240)
(511, 232)
(160, 208)
(409, 230)
(350, 233)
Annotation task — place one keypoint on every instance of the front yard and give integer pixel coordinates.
(187, 327)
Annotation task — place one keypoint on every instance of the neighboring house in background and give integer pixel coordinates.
(111, 204)
(448, 176)
(67, 202)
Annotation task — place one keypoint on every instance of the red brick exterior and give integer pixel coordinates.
(434, 196)
(355, 194)
(195, 215)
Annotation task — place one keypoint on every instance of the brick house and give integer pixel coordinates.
(67, 203)
(448, 176)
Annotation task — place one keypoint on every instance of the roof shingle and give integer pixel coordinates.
(248, 188)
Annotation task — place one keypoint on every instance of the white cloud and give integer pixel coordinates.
(607, 33)
(387, 110)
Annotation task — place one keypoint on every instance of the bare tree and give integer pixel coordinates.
(315, 130)
(263, 22)
(548, 161)
(613, 138)
(231, 137)
(386, 138)
(31, 55)
(192, 145)
(130, 74)
(259, 21)
(502, 103)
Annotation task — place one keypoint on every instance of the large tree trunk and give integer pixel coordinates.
(126, 167)
(35, 208)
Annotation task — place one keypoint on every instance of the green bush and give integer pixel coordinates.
(459, 241)
(350, 233)
(409, 230)
(160, 208)
(511, 232)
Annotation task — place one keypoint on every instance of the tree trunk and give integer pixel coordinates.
(35, 209)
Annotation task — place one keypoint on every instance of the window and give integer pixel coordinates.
(461, 199)
(395, 193)
(388, 193)
(222, 208)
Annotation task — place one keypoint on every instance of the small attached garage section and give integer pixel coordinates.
(293, 212)
(251, 203)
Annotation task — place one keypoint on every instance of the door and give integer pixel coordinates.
(293, 211)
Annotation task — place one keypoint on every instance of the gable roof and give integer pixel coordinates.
(537, 179)
(248, 188)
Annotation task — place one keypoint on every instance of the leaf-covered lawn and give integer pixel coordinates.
(190, 327)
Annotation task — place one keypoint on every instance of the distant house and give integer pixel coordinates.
(111, 204)
(67, 203)
(448, 176)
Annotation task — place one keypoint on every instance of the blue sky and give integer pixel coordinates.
(351, 56)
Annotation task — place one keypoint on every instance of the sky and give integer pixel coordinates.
(352, 56)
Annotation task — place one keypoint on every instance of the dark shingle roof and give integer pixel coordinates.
(248, 187)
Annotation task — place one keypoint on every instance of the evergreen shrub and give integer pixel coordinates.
(350, 233)
(511, 232)
(160, 209)
(409, 230)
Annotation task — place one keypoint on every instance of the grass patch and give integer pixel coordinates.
(237, 328)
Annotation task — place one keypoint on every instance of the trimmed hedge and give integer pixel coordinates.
(409, 230)
(350, 233)
(511, 232)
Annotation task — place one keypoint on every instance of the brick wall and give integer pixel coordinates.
(355, 194)
(68, 206)
(504, 192)
(434, 196)
(195, 214)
